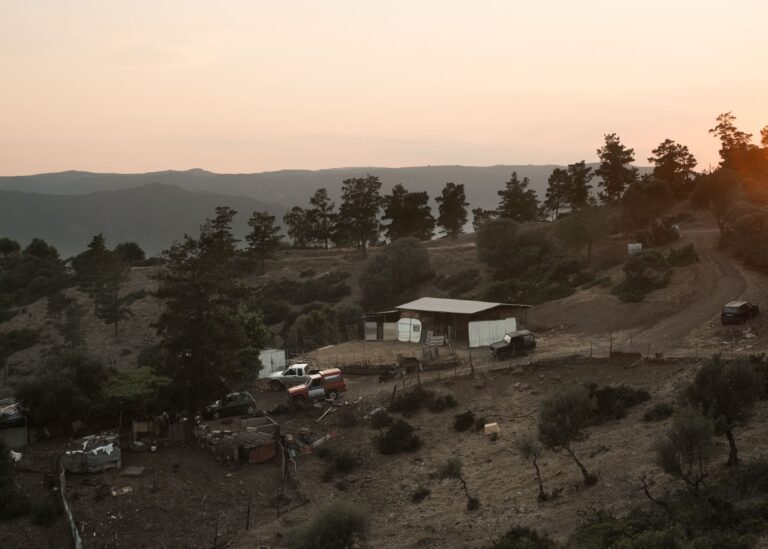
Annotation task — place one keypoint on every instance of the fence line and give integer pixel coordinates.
(78, 541)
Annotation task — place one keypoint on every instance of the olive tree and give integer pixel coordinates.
(562, 420)
(685, 450)
(726, 392)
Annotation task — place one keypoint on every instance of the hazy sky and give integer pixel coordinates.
(252, 85)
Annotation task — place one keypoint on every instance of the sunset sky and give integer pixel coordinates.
(250, 85)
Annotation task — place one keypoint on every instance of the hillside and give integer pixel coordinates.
(292, 187)
(153, 215)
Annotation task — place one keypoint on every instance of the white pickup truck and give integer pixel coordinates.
(296, 374)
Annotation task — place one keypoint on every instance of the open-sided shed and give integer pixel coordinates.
(476, 323)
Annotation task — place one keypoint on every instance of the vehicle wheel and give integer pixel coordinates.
(275, 385)
(216, 415)
(333, 394)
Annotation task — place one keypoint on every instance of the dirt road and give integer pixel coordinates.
(665, 319)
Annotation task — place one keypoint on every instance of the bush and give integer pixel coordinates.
(412, 401)
(338, 525)
(462, 422)
(400, 437)
(420, 494)
(511, 250)
(523, 538)
(659, 412)
(643, 273)
(681, 257)
(613, 402)
(451, 468)
(381, 419)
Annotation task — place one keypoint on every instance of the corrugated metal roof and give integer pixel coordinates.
(457, 306)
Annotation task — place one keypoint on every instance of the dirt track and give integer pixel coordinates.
(661, 323)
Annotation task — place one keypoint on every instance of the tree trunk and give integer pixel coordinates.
(589, 251)
(733, 456)
(589, 479)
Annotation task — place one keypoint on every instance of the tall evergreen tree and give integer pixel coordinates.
(518, 202)
(673, 163)
(557, 186)
(206, 334)
(409, 214)
(264, 237)
(452, 209)
(323, 217)
(480, 216)
(299, 223)
(732, 140)
(359, 211)
(615, 171)
(576, 192)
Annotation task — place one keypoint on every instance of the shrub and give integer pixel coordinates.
(451, 468)
(420, 494)
(523, 538)
(681, 257)
(381, 419)
(462, 422)
(643, 273)
(613, 402)
(338, 525)
(410, 402)
(659, 412)
(400, 437)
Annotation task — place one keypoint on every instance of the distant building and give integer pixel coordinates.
(475, 323)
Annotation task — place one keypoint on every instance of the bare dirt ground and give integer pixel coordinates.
(617, 451)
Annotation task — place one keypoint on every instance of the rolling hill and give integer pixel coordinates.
(154, 215)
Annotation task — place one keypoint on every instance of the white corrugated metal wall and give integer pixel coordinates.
(484, 332)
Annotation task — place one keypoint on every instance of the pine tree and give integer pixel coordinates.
(518, 202)
(205, 332)
(409, 214)
(264, 237)
(452, 209)
(673, 163)
(359, 211)
(615, 172)
(576, 192)
(556, 192)
(299, 223)
(323, 217)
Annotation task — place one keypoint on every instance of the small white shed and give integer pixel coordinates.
(272, 360)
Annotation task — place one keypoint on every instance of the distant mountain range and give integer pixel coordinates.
(153, 215)
(155, 208)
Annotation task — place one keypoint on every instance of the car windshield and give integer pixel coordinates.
(507, 338)
(731, 310)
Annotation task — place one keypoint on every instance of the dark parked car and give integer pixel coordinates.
(234, 404)
(737, 312)
(514, 343)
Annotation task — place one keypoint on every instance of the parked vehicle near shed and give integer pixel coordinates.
(737, 312)
(514, 343)
(234, 404)
(326, 384)
(296, 374)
